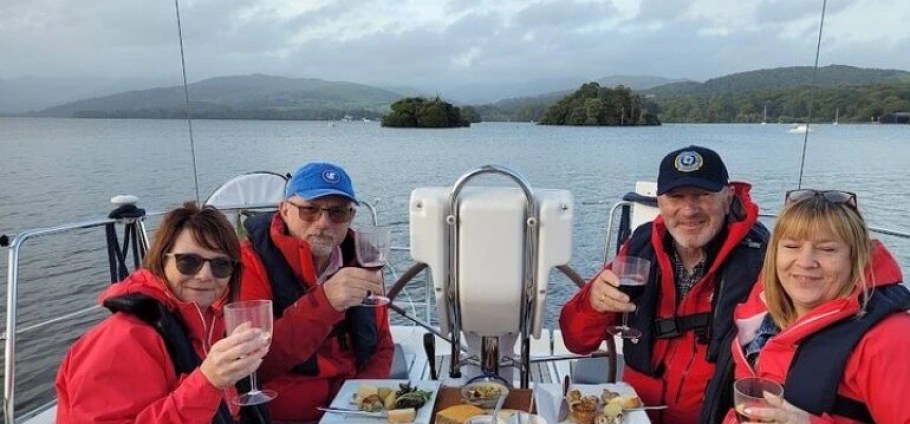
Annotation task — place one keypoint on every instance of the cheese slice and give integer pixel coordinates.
(457, 414)
(406, 415)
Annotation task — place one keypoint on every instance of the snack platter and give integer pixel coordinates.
(597, 391)
(347, 398)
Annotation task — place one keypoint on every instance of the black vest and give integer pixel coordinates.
(818, 366)
(733, 283)
(359, 322)
(180, 349)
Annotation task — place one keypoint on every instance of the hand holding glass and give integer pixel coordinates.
(633, 275)
(259, 314)
(373, 246)
(750, 392)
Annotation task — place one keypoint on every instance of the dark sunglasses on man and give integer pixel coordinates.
(191, 263)
(310, 213)
(833, 196)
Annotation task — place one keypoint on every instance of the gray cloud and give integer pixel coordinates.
(439, 44)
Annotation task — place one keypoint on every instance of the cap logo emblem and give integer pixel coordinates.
(688, 161)
(331, 176)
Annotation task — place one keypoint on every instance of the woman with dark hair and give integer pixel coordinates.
(828, 320)
(163, 356)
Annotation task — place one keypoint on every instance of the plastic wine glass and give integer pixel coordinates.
(750, 392)
(259, 314)
(373, 247)
(633, 274)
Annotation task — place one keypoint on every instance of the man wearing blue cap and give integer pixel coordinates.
(706, 249)
(303, 259)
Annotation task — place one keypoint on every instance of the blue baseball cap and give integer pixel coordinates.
(320, 179)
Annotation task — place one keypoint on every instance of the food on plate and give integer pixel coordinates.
(390, 400)
(583, 410)
(406, 415)
(573, 396)
(612, 409)
(484, 394)
(630, 402)
(457, 414)
(371, 403)
(370, 398)
(608, 395)
(484, 391)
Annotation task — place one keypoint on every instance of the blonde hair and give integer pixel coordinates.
(801, 220)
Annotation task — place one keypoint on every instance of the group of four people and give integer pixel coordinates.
(823, 301)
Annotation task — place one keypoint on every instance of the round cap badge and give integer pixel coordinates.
(688, 161)
(331, 176)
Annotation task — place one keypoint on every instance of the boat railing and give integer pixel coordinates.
(12, 331)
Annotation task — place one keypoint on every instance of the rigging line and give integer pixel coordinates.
(186, 98)
(818, 47)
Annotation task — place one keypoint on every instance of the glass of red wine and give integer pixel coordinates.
(633, 274)
(373, 245)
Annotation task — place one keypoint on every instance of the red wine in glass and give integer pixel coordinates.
(373, 246)
(633, 275)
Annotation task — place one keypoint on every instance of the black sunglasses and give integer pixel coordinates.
(311, 213)
(191, 263)
(833, 196)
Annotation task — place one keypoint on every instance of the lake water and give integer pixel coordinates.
(54, 171)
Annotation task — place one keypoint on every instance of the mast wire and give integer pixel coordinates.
(186, 98)
(818, 46)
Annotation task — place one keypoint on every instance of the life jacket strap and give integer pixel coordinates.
(675, 326)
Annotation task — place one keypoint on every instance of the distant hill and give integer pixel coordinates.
(254, 96)
(795, 76)
(23, 94)
(638, 82)
(846, 93)
(532, 108)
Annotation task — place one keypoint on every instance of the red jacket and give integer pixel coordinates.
(306, 325)
(877, 373)
(120, 370)
(686, 371)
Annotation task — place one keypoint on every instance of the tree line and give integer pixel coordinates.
(592, 104)
(848, 104)
(418, 112)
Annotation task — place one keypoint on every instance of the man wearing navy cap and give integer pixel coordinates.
(706, 249)
(303, 259)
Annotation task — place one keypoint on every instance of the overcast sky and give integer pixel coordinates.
(427, 42)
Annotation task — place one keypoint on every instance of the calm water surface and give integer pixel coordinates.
(61, 170)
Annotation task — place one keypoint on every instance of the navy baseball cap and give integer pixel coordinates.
(692, 166)
(320, 179)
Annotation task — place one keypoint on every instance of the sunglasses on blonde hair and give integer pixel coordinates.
(191, 263)
(832, 196)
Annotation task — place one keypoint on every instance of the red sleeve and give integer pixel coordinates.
(302, 328)
(122, 373)
(878, 374)
(380, 364)
(299, 333)
(583, 328)
(254, 283)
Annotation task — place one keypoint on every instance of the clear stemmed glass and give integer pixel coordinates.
(259, 314)
(633, 274)
(373, 246)
(750, 392)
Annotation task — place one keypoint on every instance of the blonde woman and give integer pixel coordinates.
(828, 320)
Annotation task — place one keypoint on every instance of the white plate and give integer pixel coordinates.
(555, 391)
(346, 394)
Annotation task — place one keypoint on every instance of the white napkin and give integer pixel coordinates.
(547, 404)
